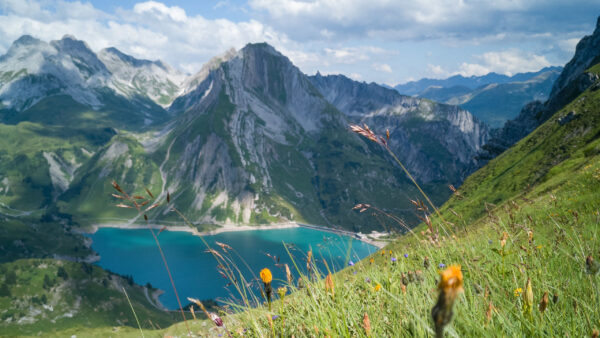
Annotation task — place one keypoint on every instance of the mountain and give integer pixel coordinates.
(59, 104)
(494, 102)
(472, 82)
(437, 142)
(497, 103)
(248, 139)
(254, 140)
(115, 88)
(576, 77)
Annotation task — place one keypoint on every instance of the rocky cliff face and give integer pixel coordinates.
(573, 80)
(437, 142)
(255, 142)
(33, 70)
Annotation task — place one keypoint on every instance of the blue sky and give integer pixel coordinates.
(385, 41)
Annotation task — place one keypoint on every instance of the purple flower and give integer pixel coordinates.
(489, 241)
(442, 265)
(350, 263)
(216, 319)
(275, 317)
(405, 255)
(394, 259)
(355, 272)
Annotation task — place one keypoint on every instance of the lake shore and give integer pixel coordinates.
(235, 228)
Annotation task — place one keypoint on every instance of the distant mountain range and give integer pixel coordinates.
(576, 77)
(493, 98)
(248, 139)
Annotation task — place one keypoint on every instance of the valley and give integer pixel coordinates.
(121, 177)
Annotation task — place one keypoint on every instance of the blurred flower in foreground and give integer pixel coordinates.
(267, 277)
(450, 285)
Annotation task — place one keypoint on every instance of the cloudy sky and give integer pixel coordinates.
(385, 41)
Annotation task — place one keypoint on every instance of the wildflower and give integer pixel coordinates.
(282, 291)
(442, 265)
(518, 292)
(450, 285)
(382, 252)
(212, 316)
(528, 297)
(267, 277)
(544, 302)
(367, 324)
(394, 259)
(405, 255)
(503, 239)
(350, 263)
(377, 287)
(275, 317)
(403, 288)
(216, 319)
(371, 261)
(539, 247)
(390, 252)
(329, 286)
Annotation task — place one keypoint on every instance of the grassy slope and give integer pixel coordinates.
(547, 184)
(88, 297)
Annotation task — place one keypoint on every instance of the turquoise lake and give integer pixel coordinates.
(134, 252)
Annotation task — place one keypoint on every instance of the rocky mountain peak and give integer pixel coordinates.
(587, 53)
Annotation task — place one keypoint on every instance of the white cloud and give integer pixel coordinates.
(421, 19)
(382, 67)
(436, 71)
(568, 45)
(507, 62)
(160, 10)
(149, 30)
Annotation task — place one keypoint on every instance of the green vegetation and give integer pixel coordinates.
(44, 295)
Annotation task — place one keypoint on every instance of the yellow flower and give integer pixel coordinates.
(451, 279)
(265, 275)
(371, 260)
(518, 292)
(451, 284)
(539, 247)
(377, 287)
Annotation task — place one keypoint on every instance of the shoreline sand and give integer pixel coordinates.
(235, 228)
